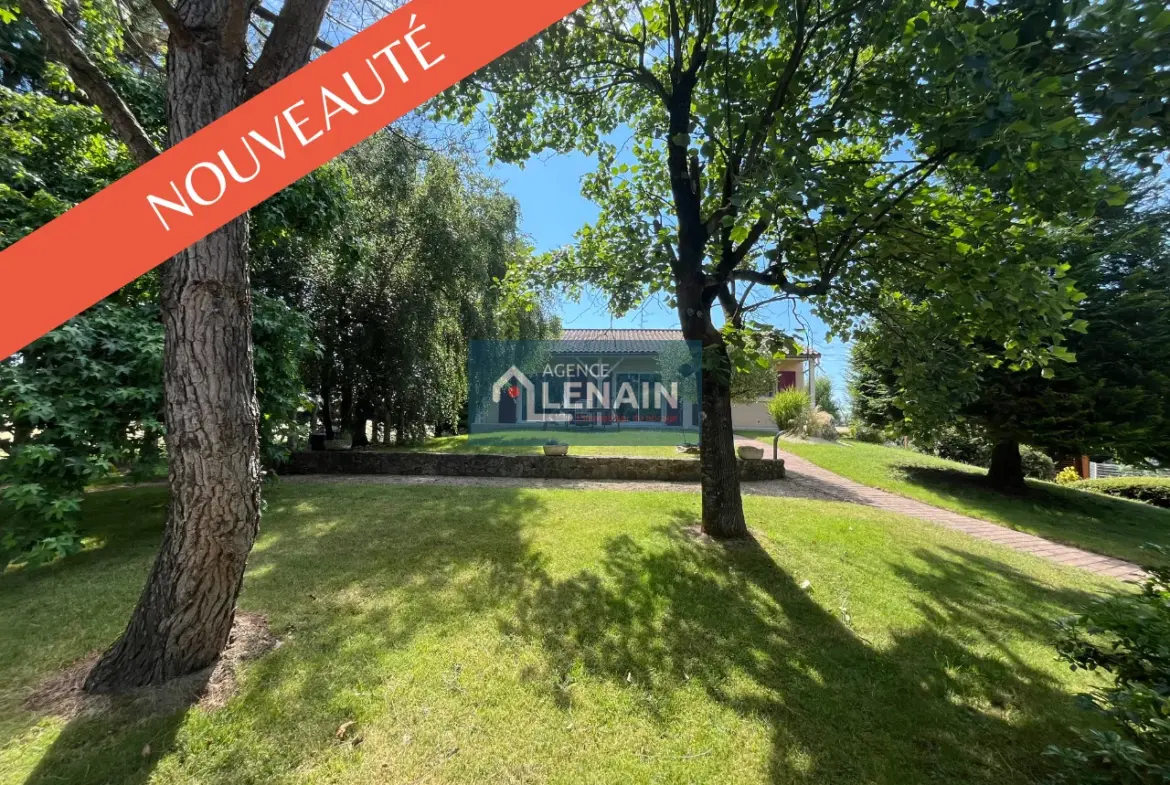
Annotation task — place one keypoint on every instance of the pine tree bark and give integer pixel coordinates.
(1006, 471)
(184, 617)
(185, 613)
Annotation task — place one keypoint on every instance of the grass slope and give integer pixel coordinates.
(1115, 527)
(505, 635)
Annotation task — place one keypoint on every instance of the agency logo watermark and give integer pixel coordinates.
(584, 392)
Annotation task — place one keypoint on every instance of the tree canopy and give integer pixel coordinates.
(1111, 395)
(751, 151)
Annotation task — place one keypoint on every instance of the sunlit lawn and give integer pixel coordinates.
(482, 635)
(631, 442)
(1115, 527)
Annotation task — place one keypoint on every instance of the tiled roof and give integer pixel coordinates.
(617, 341)
(632, 341)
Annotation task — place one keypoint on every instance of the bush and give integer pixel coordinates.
(1037, 464)
(1151, 490)
(1128, 637)
(963, 446)
(809, 424)
(1067, 476)
(866, 433)
(786, 406)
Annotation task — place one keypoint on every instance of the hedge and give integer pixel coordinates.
(1151, 490)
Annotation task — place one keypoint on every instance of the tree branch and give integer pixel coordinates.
(289, 45)
(269, 16)
(90, 79)
(170, 17)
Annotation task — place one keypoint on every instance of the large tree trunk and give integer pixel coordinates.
(185, 613)
(719, 474)
(1007, 469)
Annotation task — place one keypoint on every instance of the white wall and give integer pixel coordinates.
(753, 416)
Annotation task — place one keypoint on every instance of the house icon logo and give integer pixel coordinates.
(509, 379)
(511, 383)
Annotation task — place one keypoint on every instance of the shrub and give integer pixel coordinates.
(865, 433)
(1151, 490)
(963, 446)
(1067, 476)
(1128, 637)
(809, 424)
(1037, 464)
(786, 406)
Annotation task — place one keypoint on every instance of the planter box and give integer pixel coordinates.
(556, 449)
(750, 453)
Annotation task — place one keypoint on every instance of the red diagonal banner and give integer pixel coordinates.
(251, 153)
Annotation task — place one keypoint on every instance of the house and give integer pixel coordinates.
(617, 378)
(597, 379)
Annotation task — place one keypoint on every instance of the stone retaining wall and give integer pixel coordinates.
(567, 467)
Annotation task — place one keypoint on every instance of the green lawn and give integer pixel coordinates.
(483, 635)
(1115, 527)
(650, 444)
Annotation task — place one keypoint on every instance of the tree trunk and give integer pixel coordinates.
(719, 474)
(1007, 469)
(327, 411)
(183, 618)
(346, 410)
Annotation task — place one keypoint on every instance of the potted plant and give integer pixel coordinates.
(749, 453)
(553, 447)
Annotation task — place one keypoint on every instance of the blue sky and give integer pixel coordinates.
(548, 189)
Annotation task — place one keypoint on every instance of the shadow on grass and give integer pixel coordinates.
(1110, 526)
(345, 580)
(924, 709)
(348, 580)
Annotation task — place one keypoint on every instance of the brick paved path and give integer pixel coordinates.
(801, 471)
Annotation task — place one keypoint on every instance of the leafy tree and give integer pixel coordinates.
(185, 613)
(795, 151)
(413, 272)
(1126, 636)
(1114, 399)
(85, 401)
(826, 400)
(82, 400)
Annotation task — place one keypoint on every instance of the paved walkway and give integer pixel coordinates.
(835, 486)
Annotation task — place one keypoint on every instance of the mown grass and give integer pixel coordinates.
(1115, 527)
(482, 635)
(629, 442)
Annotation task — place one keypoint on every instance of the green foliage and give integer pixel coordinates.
(826, 400)
(1128, 637)
(1067, 476)
(752, 382)
(960, 444)
(82, 402)
(282, 349)
(1151, 490)
(412, 262)
(787, 406)
(1107, 389)
(860, 432)
(1036, 464)
(809, 150)
(970, 445)
(808, 423)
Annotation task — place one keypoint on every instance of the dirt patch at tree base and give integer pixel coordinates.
(61, 695)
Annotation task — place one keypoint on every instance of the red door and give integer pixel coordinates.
(785, 380)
